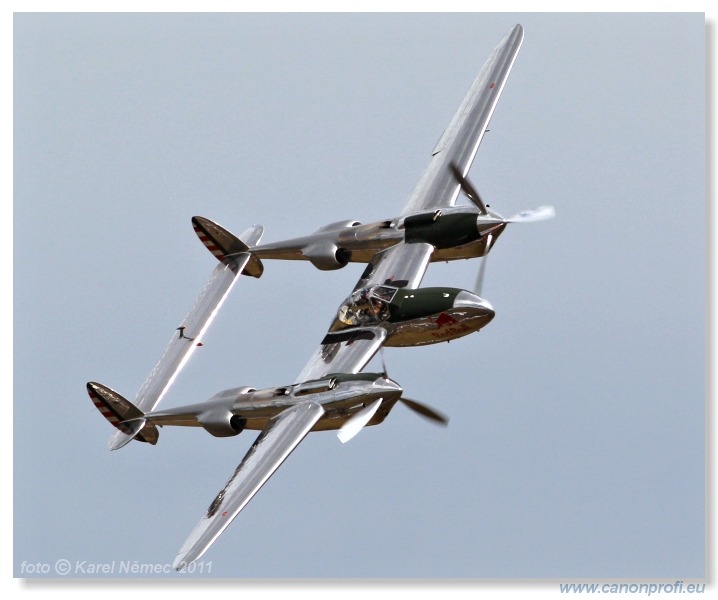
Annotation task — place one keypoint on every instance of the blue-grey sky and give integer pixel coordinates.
(576, 447)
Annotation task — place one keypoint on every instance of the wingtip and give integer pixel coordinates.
(518, 33)
(185, 557)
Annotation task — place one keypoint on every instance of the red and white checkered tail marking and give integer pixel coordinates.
(227, 247)
(209, 242)
(121, 413)
(218, 240)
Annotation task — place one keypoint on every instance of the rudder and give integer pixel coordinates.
(122, 414)
(224, 245)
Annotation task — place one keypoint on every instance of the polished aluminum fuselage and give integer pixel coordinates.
(340, 396)
(363, 241)
(415, 317)
(467, 314)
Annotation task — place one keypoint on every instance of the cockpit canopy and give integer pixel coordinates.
(368, 305)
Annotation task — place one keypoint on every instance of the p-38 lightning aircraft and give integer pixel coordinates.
(386, 307)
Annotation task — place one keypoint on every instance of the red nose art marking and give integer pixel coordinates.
(224, 514)
(443, 320)
(491, 86)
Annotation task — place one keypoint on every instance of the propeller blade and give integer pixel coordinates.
(469, 190)
(541, 213)
(356, 422)
(426, 411)
(480, 278)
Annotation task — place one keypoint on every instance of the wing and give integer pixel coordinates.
(349, 350)
(344, 352)
(402, 265)
(184, 342)
(438, 186)
(271, 448)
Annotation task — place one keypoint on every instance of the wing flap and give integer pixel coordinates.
(282, 435)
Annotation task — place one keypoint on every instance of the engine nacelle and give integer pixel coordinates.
(442, 230)
(222, 423)
(326, 256)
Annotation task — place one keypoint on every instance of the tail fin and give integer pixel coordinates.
(224, 244)
(122, 414)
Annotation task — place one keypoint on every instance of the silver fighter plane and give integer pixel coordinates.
(386, 307)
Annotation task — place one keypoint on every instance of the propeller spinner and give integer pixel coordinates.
(542, 213)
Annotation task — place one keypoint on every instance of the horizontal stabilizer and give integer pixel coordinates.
(224, 244)
(188, 336)
(122, 414)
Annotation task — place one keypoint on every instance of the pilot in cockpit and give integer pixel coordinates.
(377, 308)
(363, 308)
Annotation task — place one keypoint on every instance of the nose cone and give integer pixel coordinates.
(473, 310)
(490, 228)
(474, 304)
(387, 386)
(493, 224)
